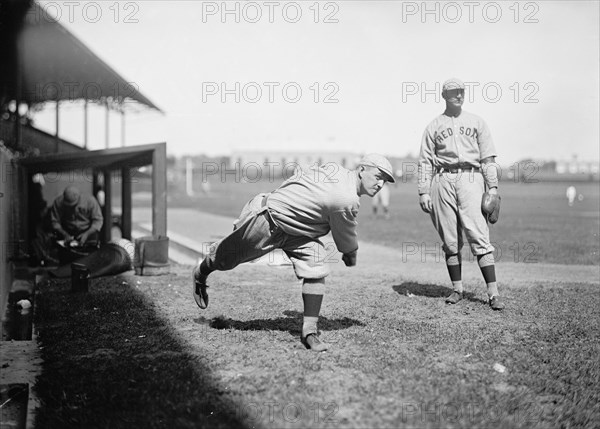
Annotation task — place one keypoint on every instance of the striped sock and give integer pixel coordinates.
(204, 269)
(453, 263)
(312, 295)
(488, 269)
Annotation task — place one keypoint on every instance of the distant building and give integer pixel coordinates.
(575, 166)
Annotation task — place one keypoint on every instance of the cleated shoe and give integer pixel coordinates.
(199, 287)
(496, 303)
(313, 342)
(454, 298)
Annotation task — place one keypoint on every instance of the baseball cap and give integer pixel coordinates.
(381, 162)
(453, 83)
(71, 196)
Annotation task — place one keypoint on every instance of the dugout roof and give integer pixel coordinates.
(43, 61)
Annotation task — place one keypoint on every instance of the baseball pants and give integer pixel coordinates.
(456, 207)
(255, 234)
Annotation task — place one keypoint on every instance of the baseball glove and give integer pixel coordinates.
(490, 207)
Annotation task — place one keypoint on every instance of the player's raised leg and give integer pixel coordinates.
(252, 238)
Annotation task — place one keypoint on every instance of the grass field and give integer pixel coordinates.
(136, 351)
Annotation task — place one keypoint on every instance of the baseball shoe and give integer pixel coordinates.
(496, 303)
(199, 287)
(454, 298)
(313, 342)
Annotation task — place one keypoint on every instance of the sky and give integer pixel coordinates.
(358, 76)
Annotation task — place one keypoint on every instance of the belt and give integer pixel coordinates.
(463, 169)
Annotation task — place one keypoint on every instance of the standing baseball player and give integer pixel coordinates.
(456, 166)
(305, 207)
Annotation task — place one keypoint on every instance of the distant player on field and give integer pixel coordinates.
(305, 207)
(571, 195)
(382, 199)
(456, 165)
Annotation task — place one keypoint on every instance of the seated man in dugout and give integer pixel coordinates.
(76, 217)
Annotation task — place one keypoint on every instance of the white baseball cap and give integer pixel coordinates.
(381, 162)
(453, 83)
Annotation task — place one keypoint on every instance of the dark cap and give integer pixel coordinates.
(71, 196)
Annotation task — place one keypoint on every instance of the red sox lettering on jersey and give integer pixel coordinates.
(448, 132)
(449, 141)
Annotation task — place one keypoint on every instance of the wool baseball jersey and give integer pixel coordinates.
(84, 215)
(318, 200)
(450, 142)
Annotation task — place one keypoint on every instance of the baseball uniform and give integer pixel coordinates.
(456, 163)
(293, 217)
(450, 170)
(305, 207)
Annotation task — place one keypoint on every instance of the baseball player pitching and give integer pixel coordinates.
(293, 217)
(458, 187)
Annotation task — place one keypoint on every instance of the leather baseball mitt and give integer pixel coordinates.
(490, 207)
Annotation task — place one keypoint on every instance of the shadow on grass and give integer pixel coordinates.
(110, 361)
(292, 323)
(431, 291)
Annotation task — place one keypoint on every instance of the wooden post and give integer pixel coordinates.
(159, 190)
(56, 147)
(85, 125)
(107, 126)
(122, 127)
(126, 203)
(105, 235)
(19, 88)
(189, 177)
